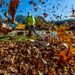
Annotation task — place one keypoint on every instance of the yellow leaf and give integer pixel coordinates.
(61, 33)
(72, 50)
(71, 61)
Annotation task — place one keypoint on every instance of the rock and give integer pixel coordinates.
(43, 43)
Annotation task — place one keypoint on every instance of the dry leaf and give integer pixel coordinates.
(73, 15)
(72, 50)
(40, 1)
(64, 57)
(1, 3)
(61, 33)
(12, 7)
(32, 3)
(43, 2)
(35, 9)
(5, 31)
(45, 15)
(73, 32)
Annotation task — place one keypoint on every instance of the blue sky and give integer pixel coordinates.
(53, 8)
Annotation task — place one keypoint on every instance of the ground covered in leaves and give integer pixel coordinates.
(30, 58)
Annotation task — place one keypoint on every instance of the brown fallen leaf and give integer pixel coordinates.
(5, 31)
(43, 2)
(73, 32)
(35, 9)
(73, 15)
(32, 3)
(12, 7)
(1, 3)
(45, 14)
(40, 0)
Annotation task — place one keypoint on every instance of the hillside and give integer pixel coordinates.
(41, 23)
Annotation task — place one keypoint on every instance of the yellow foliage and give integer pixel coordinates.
(61, 33)
(20, 26)
(63, 53)
(65, 38)
(71, 61)
(65, 69)
(72, 50)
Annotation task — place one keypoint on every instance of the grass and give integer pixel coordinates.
(16, 38)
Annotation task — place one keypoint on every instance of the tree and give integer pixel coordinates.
(40, 22)
(20, 19)
(53, 23)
